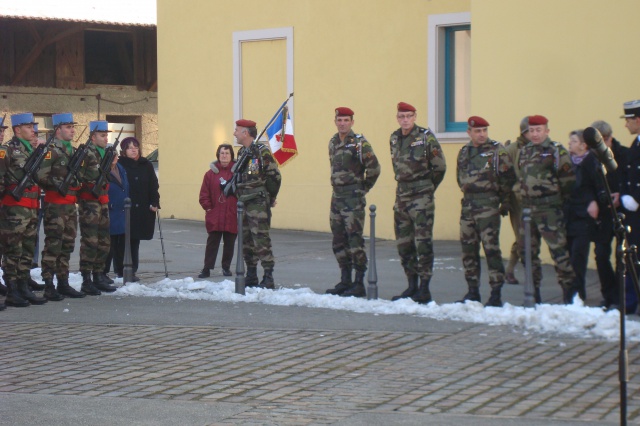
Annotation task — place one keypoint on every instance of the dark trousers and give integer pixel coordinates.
(606, 274)
(116, 254)
(213, 243)
(579, 246)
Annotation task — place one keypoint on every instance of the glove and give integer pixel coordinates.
(504, 209)
(630, 203)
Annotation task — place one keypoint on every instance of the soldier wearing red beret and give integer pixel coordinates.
(354, 171)
(419, 167)
(547, 179)
(486, 177)
(258, 187)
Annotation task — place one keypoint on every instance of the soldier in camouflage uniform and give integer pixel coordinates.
(485, 175)
(258, 187)
(419, 166)
(2, 129)
(515, 203)
(547, 179)
(18, 217)
(95, 239)
(60, 213)
(354, 171)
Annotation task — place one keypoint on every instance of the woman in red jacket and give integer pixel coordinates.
(221, 212)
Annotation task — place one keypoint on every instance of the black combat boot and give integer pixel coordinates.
(410, 291)
(3, 290)
(344, 284)
(357, 288)
(14, 298)
(495, 300)
(34, 286)
(473, 294)
(26, 293)
(66, 290)
(101, 284)
(423, 296)
(251, 279)
(567, 295)
(87, 285)
(107, 279)
(50, 292)
(536, 295)
(205, 273)
(267, 279)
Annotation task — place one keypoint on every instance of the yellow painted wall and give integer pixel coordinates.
(363, 54)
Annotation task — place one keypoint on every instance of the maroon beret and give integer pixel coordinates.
(245, 123)
(405, 107)
(342, 111)
(477, 122)
(537, 120)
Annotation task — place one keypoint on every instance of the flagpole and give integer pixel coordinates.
(274, 117)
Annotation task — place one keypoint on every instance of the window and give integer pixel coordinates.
(109, 58)
(449, 74)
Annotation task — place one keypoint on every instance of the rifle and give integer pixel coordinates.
(32, 166)
(2, 122)
(105, 166)
(75, 162)
(231, 186)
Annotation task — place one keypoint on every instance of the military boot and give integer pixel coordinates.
(410, 291)
(344, 284)
(536, 295)
(50, 292)
(101, 283)
(495, 299)
(357, 288)
(107, 279)
(34, 286)
(26, 293)
(87, 285)
(567, 295)
(423, 295)
(66, 290)
(251, 279)
(267, 279)
(14, 298)
(473, 294)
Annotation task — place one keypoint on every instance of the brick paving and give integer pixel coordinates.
(304, 377)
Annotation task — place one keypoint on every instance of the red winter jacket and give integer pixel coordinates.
(221, 211)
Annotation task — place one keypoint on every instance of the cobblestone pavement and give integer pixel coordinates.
(323, 377)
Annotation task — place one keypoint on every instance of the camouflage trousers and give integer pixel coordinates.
(347, 223)
(18, 237)
(515, 216)
(60, 230)
(548, 222)
(480, 223)
(413, 224)
(95, 239)
(256, 241)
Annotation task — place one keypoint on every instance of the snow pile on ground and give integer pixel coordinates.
(576, 320)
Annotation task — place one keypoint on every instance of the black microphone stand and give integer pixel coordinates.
(625, 255)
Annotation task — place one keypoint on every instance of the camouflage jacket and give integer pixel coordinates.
(90, 170)
(485, 170)
(353, 163)
(260, 172)
(546, 171)
(418, 161)
(13, 156)
(55, 168)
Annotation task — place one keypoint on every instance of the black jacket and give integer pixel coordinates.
(585, 190)
(143, 191)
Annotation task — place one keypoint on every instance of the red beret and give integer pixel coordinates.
(344, 111)
(405, 107)
(245, 123)
(477, 122)
(537, 120)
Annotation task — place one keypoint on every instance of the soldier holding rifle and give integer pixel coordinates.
(93, 210)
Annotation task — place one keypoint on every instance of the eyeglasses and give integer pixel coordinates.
(405, 116)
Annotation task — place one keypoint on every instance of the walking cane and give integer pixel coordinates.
(164, 257)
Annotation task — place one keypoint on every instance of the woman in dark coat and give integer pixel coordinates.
(221, 218)
(118, 191)
(143, 191)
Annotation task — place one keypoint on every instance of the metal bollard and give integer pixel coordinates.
(127, 273)
(239, 259)
(372, 290)
(529, 300)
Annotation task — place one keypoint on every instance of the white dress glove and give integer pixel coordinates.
(629, 203)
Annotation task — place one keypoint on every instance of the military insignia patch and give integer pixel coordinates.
(2, 154)
(48, 156)
(566, 167)
(434, 153)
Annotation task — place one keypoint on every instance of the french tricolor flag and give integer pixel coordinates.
(281, 140)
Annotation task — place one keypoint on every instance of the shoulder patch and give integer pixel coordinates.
(48, 155)
(3, 153)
